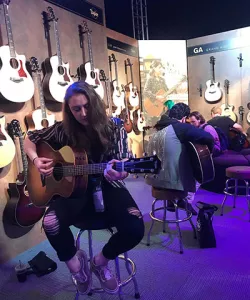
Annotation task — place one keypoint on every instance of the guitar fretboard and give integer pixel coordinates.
(9, 31)
(58, 47)
(90, 50)
(41, 97)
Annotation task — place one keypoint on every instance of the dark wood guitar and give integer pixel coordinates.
(20, 210)
(57, 76)
(71, 170)
(201, 161)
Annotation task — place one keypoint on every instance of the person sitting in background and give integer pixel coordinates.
(223, 122)
(197, 120)
(177, 173)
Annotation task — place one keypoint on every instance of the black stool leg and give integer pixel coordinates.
(179, 229)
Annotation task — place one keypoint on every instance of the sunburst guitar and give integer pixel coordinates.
(16, 84)
(57, 76)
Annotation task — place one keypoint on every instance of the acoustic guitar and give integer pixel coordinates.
(133, 90)
(16, 83)
(227, 110)
(87, 72)
(57, 76)
(125, 114)
(7, 146)
(213, 92)
(139, 122)
(118, 94)
(20, 210)
(38, 118)
(71, 170)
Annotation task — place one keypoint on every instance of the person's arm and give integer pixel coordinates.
(216, 149)
(188, 133)
(30, 149)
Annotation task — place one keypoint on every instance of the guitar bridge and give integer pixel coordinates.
(62, 83)
(16, 80)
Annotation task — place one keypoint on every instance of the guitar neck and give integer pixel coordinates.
(90, 51)
(41, 97)
(58, 47)
(9, 31)
(107, 85)
(212, 72)
(116, 73)
(24, 157)
(131, 74)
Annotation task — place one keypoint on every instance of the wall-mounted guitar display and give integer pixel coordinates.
(38, 118)
(227, 110)
(87, 71)
(213, 92)
(57, 76)
(16, 83)
(7, 146)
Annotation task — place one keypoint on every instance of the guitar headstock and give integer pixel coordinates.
(51, 14)
(212, 60)
(102, 75)
(226, 85)
(6, 2)
(85, 27)
(16, 128)
(241, 110)
(34, 64)
(148, 165)
(129, 62)
(113, 58)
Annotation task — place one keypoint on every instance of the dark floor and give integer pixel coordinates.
(162, 273)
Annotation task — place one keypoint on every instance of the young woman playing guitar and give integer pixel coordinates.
(85, 126)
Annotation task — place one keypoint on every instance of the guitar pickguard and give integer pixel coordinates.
(21, 71)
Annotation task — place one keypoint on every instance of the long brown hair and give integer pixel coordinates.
(198, 116)
(99, 124)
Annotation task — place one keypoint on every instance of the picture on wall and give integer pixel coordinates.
(163, 72)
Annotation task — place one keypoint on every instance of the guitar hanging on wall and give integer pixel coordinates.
(7, 146)
(16, 84)
(213, 92)
(133, 90)
(87, 71)
(57, 76)
(138, 119)
(227, 110)
(19, 209)
(38, 118)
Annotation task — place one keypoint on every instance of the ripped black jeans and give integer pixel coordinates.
(120, 209)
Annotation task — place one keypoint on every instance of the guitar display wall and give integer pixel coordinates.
(135, 141)
(29, 38)
(227, 67)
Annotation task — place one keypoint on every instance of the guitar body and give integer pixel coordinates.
(213, 92)
(16, 83)
(92, 78)
(133, 95)
(118, 95)
(201, 161)
(138, 121)
(56, 80)
(7, 146)
(40, 194)
(228, 111)
(154, 108)
(35, 121)
(20, 210)
(128, 125)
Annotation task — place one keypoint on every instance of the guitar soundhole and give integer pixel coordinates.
(60, 70)
(92, 74)
(58, 172)
(14, 63)
(45, 123)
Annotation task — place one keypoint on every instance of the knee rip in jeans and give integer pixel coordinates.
(135, 212)
(51, 223)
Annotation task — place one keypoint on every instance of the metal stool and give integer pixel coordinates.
(173, 196)
(130, 265)
(235, 174)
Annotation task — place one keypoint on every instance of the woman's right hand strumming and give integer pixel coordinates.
(44, 165)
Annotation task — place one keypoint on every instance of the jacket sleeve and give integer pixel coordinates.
(188, 133)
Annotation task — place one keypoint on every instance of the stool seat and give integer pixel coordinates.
(167, 194)
(96, 222)
(238, 172)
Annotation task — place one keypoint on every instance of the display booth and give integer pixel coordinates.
(138, 82)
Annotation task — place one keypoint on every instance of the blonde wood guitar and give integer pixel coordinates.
(7, 146)
(227, 110)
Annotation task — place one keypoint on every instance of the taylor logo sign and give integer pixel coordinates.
(198, 50)
(81, 8)
(94, 13)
